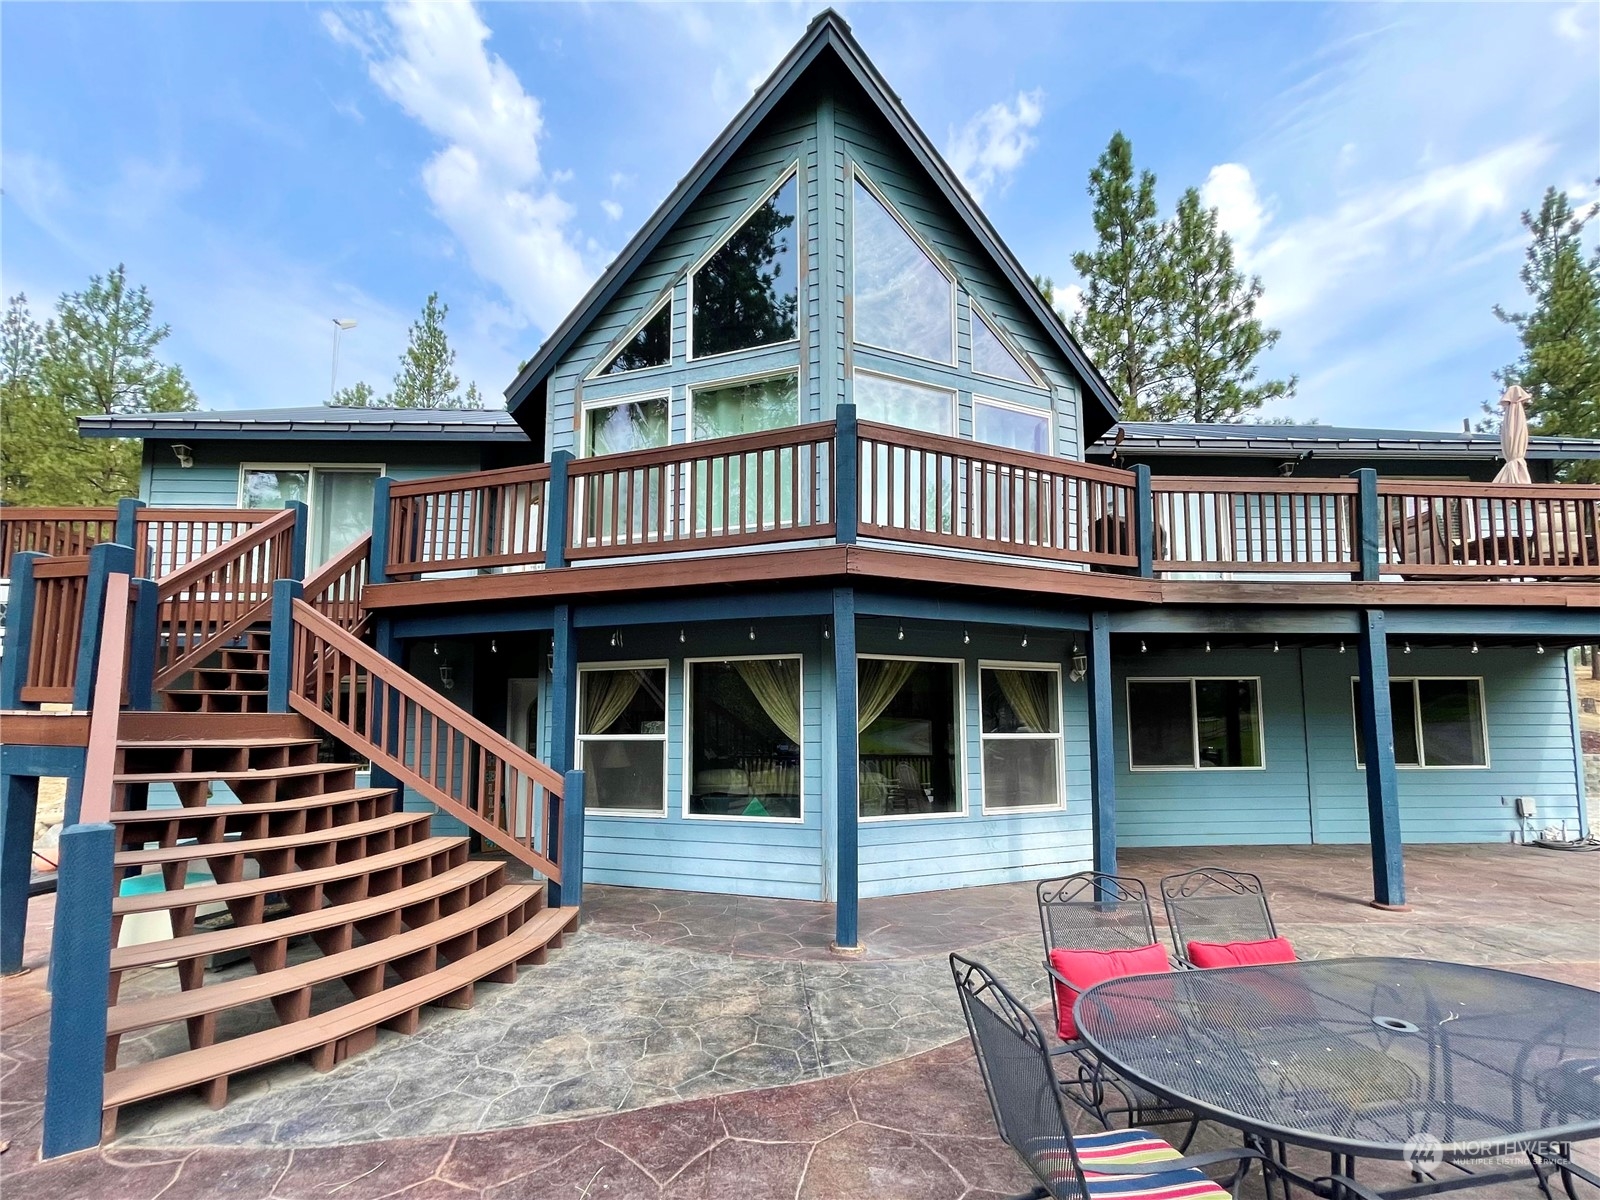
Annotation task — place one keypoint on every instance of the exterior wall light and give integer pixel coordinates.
(184, 454)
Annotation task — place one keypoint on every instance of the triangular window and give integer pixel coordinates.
(650, 346)
(903, 301)
(747, 293)
(991, 356)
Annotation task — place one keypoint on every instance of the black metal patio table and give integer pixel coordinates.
(1423, 1062)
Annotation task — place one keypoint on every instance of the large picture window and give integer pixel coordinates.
(903, 301)
(1021, 708)
(744, 738)
(748, 406)
(1437, 722)
(747, 294)
(900, 402)
(908, 713)
(622, 738)
(1010, 426)
(623, 425)
(1194, 724)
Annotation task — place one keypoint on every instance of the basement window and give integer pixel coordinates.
(1194, 724)
(622, 739)
(1438, 723)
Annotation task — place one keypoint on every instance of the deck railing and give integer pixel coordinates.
(173, 538)
(60, 588)
(957, 494)
(450, 757)
(335, 590)
(749, 490)
(54, 531)
(468, 522)
(1250, 525)
(1479, 530)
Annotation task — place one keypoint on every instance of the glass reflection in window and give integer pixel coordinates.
(630, 425)
(651, 346)
(1011, 427)
(744, 738)
(991, 356)
(910, 756)
(903, 301)
(747, 293)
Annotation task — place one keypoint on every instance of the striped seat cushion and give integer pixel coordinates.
(1124, 1147)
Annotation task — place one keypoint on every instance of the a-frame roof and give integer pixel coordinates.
(827, 34)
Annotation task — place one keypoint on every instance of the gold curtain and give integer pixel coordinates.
(606, 696)
(1028, 693)
(879, 682)
(775, 683)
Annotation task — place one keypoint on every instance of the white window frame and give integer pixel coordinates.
(952, 430)
(1047, 415)
(598, 371)
(963, 782)
(588, 406)
(792, 171)
(1059, 737)
(1416, 720)
(954, 361)
(975, 313)
(665, 737)
(688, 738)
(712, 385)
(1194, 720)
(376, 470)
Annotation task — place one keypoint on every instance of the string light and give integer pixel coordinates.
(1274, 646)
(1538, 647)
(494, 647)
(752, 633)
(901, 636)
(1208, 645)
(1341, 647)
(681, 638)
(1024, 639)
(1143, 649)
(1474, 647)
(966, 638)
(1407, 649)
(616, 638)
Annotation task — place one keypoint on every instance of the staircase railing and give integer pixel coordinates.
(452, 759)
(175, 538)
(224, 592)
(335, 590)
(60, 587)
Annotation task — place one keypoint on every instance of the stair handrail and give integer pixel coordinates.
(329, 669)
(222, 593)
(335, 590)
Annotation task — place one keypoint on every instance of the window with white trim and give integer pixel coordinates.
(909, 745)
(991, 356)
(1438, 722)
(622, 738)
(900, 402)
(649, 346)
(903, 300)
(1021, 732)
(617, 426)
(995, 423)
(1194, 724)
(747, 293)
(338, 501)
(746, 727)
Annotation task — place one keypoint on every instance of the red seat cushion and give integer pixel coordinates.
(1088, 967)
(1241, 954)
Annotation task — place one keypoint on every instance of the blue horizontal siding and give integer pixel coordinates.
(213, 481)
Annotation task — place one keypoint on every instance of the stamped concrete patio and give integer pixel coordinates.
(685, 1045)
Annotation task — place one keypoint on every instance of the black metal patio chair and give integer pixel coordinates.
(1031, 1117)
(1214, 905)
(1092, 910)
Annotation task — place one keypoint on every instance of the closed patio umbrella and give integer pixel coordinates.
(1514, 436)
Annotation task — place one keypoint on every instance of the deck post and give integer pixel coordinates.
(846, 734)
(127, 533)
(297, 547)
(80, 973)
(563, 690)
(104, 560)
(19, 809)
(1368, 523)
(142, 646)
(1377, 740)
(19, 630)
(386, 644)
(1144, 522)
(378, 555)
(280, 659)
(846, 476)
(558, 518)
(1102, 748)
(568, 837)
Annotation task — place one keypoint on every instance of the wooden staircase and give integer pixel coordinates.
(352, 916)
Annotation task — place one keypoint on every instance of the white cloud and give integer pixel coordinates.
(1069, 302)
(488, 183)
(987, 150)
(1568, 23)
(1232, 192)
(612, 209)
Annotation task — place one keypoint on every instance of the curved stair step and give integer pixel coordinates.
(331, 1037)
(203, 812)
(397, 823)
(228, 775)
(512, 901)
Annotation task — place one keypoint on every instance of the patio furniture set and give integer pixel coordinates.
(1467, 1075)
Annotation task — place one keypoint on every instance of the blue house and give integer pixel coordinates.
(810, 560)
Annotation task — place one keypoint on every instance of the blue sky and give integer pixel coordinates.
(264, 168)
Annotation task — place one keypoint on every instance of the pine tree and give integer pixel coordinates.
(426, 378)
(1214, 336)
(1560, 361)
(357, 395)
(21, 388)
(1125, 280)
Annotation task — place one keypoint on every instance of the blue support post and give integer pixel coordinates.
(142, 646)
(1368, 523)
(1377, 742)
(568, 835)
(847, 865)
(104, 560)
(378, 560)
(1102, 748)
(80, 973)
(1144, 522)
(19, 808)
(128, 533)
(846, 476)
(297, 548)
(280, 662)
(386, 644)
(563, 691)
(19, 630)
(558, 520)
